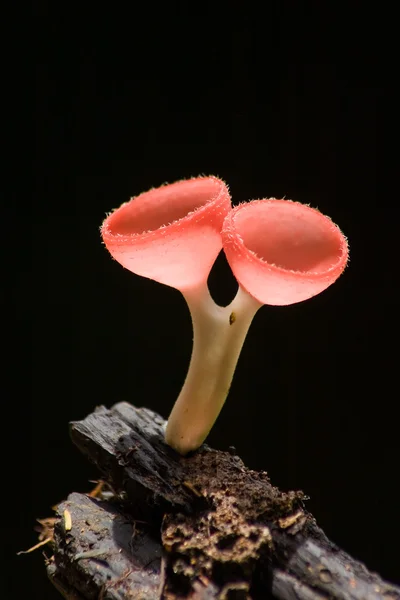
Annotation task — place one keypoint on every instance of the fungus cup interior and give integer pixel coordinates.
(163, 206)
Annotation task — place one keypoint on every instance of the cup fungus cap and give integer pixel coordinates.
(170, 234)
(283, 252)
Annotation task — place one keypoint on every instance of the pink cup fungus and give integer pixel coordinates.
(170, 234)
(280, 251)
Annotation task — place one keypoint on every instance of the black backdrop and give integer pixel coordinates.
(279, 99)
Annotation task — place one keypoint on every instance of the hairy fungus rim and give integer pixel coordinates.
(202, 212)
(233, 240)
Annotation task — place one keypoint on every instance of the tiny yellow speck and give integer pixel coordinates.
(232, 318)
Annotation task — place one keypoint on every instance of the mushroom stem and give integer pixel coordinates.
(218, 337)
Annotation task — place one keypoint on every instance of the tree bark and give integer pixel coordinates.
(202, 527)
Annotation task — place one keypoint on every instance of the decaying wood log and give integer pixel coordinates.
(202, 527)
(101, 552)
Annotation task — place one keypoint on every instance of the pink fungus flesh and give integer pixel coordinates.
(170, 234)
(283, 252)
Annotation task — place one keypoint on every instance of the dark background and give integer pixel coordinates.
(278, 99)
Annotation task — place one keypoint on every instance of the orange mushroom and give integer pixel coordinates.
(170, 234)
(280, 252)
(283, 252)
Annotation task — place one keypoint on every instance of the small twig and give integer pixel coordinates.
(163, 577)
(39, 545)
(89, 554)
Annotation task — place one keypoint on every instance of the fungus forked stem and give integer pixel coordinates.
(218, 337)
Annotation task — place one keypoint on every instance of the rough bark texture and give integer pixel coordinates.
(202, 527)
